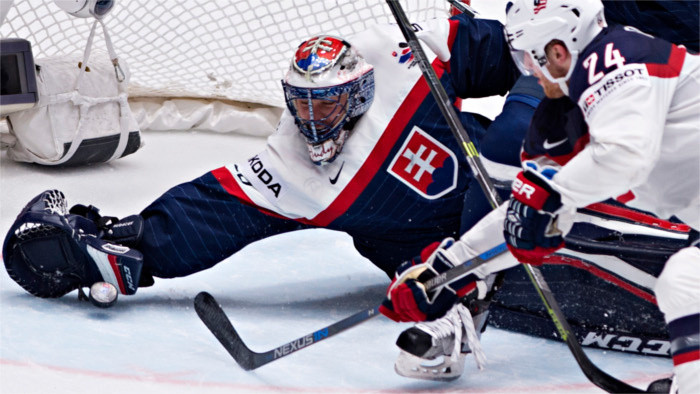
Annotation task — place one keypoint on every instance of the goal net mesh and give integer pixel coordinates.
(234, 50)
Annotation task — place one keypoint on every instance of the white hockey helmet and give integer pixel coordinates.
(532, 24)
(328, 84)
(86, 8)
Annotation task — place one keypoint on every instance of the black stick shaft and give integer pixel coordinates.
(219, 324)
(445, 105)
(463, 8)
(594, 374)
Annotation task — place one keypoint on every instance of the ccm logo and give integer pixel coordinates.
(519, 187)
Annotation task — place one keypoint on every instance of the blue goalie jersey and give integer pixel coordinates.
(398, 184)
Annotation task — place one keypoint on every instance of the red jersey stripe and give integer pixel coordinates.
(380, 152)
(117, 274)
(672, 68)
(226, 180)
(369, 168)
(686, 357)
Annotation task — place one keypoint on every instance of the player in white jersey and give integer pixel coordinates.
(638, 96)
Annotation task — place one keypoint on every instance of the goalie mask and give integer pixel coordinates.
(328, 86)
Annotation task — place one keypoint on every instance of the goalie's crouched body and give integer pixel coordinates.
(50, 251)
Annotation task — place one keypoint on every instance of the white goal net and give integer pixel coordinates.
(234, 51)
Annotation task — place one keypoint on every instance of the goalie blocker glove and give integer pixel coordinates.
(50, 252)
(530, 227)
(407, 299)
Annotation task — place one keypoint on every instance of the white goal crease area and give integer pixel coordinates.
(206, 65)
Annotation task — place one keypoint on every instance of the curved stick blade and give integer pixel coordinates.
(216, 321)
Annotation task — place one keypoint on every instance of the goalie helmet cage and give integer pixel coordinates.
(219, 56)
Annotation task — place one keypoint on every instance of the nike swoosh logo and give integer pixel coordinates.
(549, 145)
(335, 179)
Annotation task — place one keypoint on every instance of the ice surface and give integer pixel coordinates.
(274, 291)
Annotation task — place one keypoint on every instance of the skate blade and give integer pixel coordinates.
(441, 368)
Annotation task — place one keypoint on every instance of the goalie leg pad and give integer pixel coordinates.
(50, 252)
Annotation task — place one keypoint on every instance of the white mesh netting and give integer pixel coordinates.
(236, 49)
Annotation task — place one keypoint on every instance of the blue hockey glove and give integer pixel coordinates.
(407, 299)
(530, 227)
(50, 252)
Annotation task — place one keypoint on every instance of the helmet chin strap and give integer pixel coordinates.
(563, 86)
(562, 81)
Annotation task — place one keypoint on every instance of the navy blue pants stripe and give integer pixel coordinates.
(685, 334)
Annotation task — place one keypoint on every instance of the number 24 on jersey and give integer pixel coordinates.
(612, 57)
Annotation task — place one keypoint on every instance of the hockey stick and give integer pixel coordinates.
(593, 373)
(219, 324)
(463, 8)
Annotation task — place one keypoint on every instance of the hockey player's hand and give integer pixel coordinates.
(530, 227)
(407, 299)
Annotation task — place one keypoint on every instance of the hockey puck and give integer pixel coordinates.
(103, 294)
